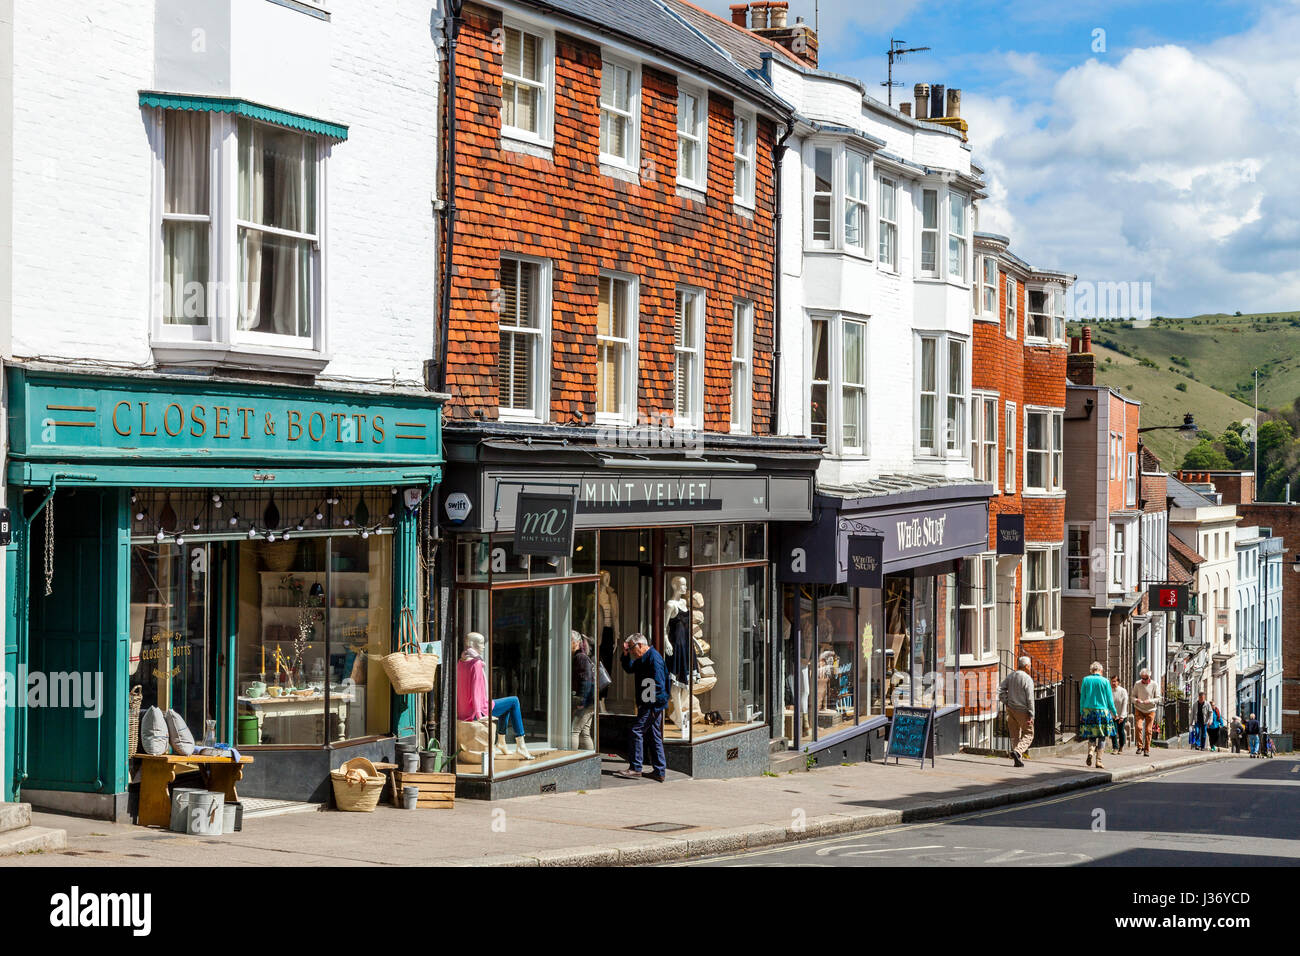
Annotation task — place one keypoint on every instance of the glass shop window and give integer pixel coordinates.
(835, 701)
(728, 621)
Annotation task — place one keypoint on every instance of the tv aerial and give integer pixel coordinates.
(896, 50)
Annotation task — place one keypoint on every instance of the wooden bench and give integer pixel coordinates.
(159, 770)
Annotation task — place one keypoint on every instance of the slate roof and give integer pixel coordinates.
(1185, 497)
(745, 47)
(651, 24)
(892, 484)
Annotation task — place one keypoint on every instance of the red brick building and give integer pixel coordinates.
(608, 321)
(1018, 383)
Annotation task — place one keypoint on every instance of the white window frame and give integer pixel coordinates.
(1058, 316)
(540, 410)
(697, 178)
(887, 226)
(845, 386)
(1130, 485)
(958, 244)
(944, 448)
(983, 609)
(745, 153)
(861, 203)
(1053, 452)
(838, 382)
(221, 333)
(1043, 333)
(838, 200)
(1052, 590)
(1011, 429)
(1118, 548)
(1071, 557)
(627, 415)
(828, 321)
(982, 443)
(695, 351)
(545, 133)
(985, 312)
(632, 115)
(936, 231)
(1009, 306)
(742, 366)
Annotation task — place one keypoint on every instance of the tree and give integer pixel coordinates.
(1205, 457)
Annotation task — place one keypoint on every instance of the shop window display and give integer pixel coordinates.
(836, 701)
(620, 606)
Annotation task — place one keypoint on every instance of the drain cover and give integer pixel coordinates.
(661, 827)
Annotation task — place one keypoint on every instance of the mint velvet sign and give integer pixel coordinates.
(544, 524)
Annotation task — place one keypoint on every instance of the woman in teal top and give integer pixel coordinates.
(1096, 712)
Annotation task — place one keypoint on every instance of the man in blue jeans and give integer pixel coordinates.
(1252, 734)
(650, 675)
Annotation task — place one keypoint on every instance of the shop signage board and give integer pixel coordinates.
(1011, 534)
(544, 524)
(911, 734)
(866, 561)
(89, 418)
(1193, 630)
(806, 554)
(929, 534)
(1168, 597)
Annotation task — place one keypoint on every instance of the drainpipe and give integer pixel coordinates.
(778, 152)
(451, 28)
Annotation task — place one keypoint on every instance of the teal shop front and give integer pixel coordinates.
(243, 554)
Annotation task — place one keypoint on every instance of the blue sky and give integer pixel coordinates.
(1162, 150)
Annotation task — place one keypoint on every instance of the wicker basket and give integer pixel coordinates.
(409, 670)
(133, 721)
(357, 785)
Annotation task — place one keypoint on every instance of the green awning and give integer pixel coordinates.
(225, 104)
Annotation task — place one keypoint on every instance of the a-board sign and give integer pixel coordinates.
(911, 734)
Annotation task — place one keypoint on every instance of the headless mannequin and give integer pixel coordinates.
(472, 669)
(602, 622)
(677, 621)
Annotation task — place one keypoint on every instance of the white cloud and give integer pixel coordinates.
(840, 20)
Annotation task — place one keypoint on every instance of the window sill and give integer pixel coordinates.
(225, 355)
(692, 191)
(1042, 636)
(505, 415)
(1040, 493)
(614, 421)
(529, 147)
(978, 317)
(970, 660)
(743, 209)
(847, 252)
(616, 170)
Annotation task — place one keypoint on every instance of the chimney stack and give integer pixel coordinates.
(758, 15)
(936, 100)
(954, 104)
(740, 15)
(1081, 367)
(778, 11)
(922, 93)
(770, 19)
(905, 108)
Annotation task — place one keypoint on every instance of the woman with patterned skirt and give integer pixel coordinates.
(1096, 712)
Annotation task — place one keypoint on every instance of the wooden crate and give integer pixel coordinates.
(437, 790)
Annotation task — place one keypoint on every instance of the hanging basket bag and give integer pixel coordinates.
(133, 721)
(357, 785)
(409, 670)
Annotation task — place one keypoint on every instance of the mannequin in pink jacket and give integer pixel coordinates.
(472, 701)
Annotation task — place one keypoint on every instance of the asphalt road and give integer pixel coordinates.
(1224, 813)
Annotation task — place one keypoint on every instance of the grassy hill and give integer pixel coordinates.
(1204, 365)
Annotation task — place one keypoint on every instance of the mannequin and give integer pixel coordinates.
(802, 670)
(677, 651)
(584, 686)
(473, 703)
(603, 619)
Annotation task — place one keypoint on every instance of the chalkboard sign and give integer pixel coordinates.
(911, 734)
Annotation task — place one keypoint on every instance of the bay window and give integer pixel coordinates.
(941, 386)
(1058, 316)
(853, 386)
(524, 352)
(839, 383)
(856, 183)
(930, 232)
(1038, 322)
(742, 377)
(986, 289)
(956, 394)
(187, 219)
(525, 80)
(688, 352)
(984, 437)
(1043, 439)
(744, 150)
(956, 236)
(618, 114)
(837, 202)
(823, 197)
(1118, 556)
(616, 349)
(1042, 590)
(888, 226)
(977, 597)
(1010, 295)
(692, 137)
(819, 411)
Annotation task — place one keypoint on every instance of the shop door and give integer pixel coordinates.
(72, 639)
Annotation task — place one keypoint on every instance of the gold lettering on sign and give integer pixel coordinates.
(180, 426)
(337, 418)
(244, 413)
(295, 424)
(199, 415)
(311, 426)
(116, 427)
(268, 427)
(378, 421)
(360, 420)
(223, 421)
(144, 411)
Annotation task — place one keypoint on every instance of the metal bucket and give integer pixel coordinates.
(205, 813)
(180, 807)
(410, 762)
(410, 797)
(431, 761)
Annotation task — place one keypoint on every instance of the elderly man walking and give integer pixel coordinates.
(1017, 695)
(1145, 698)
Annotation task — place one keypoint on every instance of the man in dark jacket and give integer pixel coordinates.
(1202, 718)
(651, 687)
(1252, 734)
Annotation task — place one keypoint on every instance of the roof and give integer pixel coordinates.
(651, 24)
(883, 485)
(1149, 460)
(745, 47)
(1185, 497)
(1183, 552)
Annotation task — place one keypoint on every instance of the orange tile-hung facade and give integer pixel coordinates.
(1028, 375)
(563, 208)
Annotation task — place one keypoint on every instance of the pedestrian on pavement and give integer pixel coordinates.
(1096, 712)
(1252, 735)
(1236, 734)
(583, 683)
(650, 680)
(1017, 696)
(1202, 719)
(1145, 698)
(1118, 741)
(1216, 729)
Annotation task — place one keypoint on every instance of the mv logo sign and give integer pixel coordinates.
(544, 524)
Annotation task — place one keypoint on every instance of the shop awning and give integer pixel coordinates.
(226, 104)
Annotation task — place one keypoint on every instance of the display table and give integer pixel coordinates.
(305, 706)
(157, 771)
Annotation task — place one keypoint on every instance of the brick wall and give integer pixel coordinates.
(563, 208)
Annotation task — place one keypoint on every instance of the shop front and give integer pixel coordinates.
(871, 616)
(244, 555)
(670, 547)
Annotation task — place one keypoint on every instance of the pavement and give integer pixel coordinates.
(1242, 814)
(640, 823)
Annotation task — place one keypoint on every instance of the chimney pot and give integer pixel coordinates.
(1087, 338)
(954, 103)
(905, 109)
(740, 14)
(778, 11)
(922, 93)
(758, 16)
(936, 100)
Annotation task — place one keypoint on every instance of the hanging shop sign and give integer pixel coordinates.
(1193, 630)
(1168, 597)
(806, 552)
(68, 417)
(544, 524)
(866, 561)
(1011, 534)
(911, 734)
